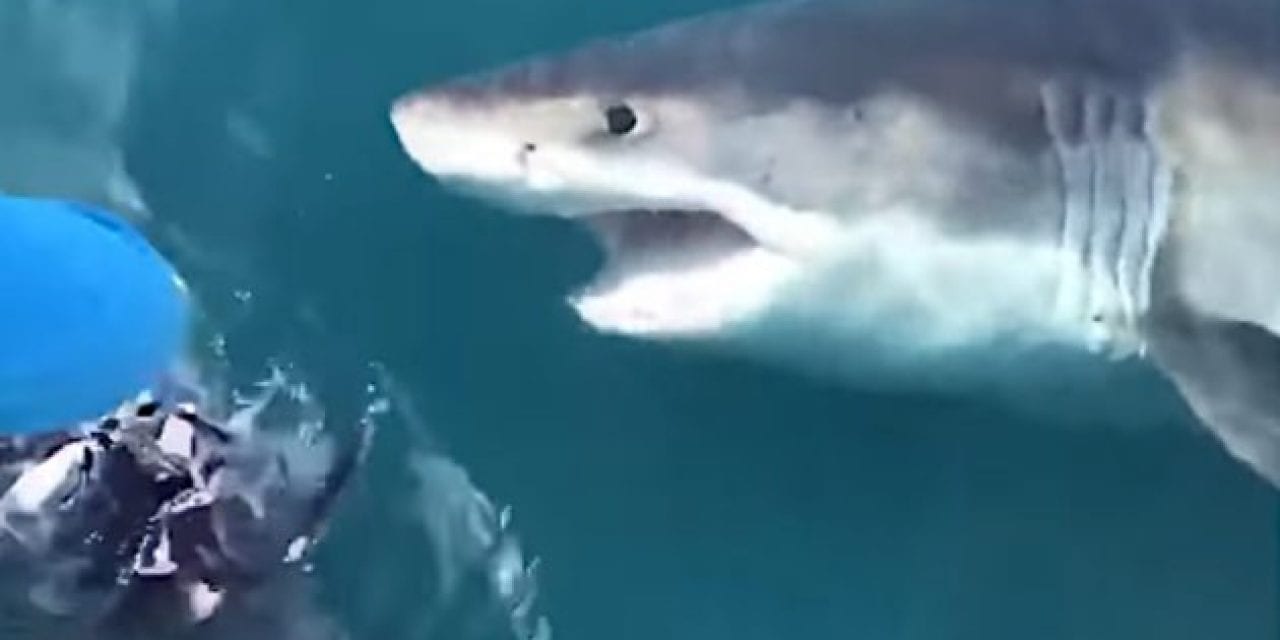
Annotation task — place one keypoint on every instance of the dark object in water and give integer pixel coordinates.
(158, 516)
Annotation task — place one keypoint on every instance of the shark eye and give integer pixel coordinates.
(620, 119)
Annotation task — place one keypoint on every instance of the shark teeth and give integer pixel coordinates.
(675, 274)
(641, 234)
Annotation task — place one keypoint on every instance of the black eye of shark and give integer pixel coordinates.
(620, 119)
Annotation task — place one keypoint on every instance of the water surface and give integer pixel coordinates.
(669, 494)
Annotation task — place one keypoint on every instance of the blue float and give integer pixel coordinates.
(90, 313)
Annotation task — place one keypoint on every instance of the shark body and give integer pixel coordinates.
(1030, 198)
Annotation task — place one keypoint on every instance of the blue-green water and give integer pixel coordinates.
(669, 494)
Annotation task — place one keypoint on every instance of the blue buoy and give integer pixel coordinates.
(90, 313)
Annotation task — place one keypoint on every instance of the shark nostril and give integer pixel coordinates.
(526, 150)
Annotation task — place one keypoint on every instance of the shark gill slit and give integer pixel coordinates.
(1131, 216)
(1134, 158)
(1114, 204)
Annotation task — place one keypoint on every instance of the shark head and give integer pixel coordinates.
(692, 238)
(717, 164)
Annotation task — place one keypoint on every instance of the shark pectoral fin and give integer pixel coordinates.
(1228, 372)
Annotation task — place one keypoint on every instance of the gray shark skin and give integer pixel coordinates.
(1043, 199)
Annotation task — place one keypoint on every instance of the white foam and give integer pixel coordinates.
(47, 481)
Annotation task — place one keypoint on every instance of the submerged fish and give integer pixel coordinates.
(1044, 199)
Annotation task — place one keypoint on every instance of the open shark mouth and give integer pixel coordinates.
(686, 254)
(670, 273)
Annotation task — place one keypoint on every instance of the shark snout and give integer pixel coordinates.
(420, 127)
(449, 140)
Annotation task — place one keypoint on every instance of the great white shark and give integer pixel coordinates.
(1030, 197)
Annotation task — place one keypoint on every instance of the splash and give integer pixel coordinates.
(483, 584)
(265, 474)
(471, 577)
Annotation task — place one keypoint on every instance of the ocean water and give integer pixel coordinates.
(665, 493)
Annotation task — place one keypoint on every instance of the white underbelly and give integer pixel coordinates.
(901, 306)
(911, 288)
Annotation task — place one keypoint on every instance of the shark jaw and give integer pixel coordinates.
(673, 274)
(686, 256)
